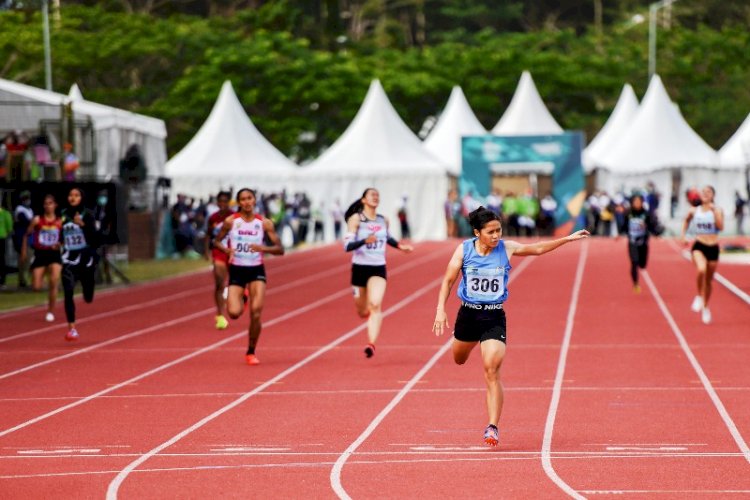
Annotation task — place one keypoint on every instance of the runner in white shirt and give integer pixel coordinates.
(247, 232)
(709, 221)
(367, 235)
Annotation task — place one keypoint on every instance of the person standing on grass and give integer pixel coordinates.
(79, 258)
(247, 232)
(708, 222)
(219, 258)
(483, 262)
(6, 229)
(367, 235)
(638, 224)
(46, 233)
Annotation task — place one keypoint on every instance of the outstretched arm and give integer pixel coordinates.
(451, 275)
(542, 247)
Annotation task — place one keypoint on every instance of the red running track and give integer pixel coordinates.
(607, 392)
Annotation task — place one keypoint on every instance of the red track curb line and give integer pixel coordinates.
(123, 474)
(557, 389)
(699, 370)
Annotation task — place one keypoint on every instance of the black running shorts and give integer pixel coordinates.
(242, 275)
(362, 273)
(710, 251)
(479, 324)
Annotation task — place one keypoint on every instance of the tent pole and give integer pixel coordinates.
(47, 51)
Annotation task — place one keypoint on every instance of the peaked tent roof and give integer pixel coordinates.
(377, 142)
(736, 151)
(103, 116)
(624, 112)
(75, 93)
(456, 120)
(658, 137)
(228, 144)
(526, 113)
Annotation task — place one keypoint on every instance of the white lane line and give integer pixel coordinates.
(177, 361)
(698, 369)
(339, 465)
(745, 297)
(114, 486)
(557, 388)
(159, 326)
(335, 475)
(167, 298)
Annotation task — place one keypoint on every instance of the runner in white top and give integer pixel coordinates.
(709, 221)
(367, 235)
(247, 232)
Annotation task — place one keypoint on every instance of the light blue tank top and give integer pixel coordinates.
(485, 278)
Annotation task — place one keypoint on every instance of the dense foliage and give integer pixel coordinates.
(301, 68)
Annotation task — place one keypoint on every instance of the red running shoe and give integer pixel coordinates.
(252, 359)
(71, 335)
(491, 435)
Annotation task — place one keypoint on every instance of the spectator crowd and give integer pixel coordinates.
(294, 216)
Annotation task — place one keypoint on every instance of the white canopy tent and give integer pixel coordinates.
(31, 109)
(456, 120)
(526, 113)
(378, 150)
(611, 132)
(657, 141)
(735, 153)
(228, 151)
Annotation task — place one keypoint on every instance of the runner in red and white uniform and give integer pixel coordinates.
(219, 258)
(367, 235)
(46, 231)
(247, 233)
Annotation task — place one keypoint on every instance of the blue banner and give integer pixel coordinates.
(558, 155)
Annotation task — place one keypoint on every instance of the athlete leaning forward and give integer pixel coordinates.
(247, 233)
(483, 263)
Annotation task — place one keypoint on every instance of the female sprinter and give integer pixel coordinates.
(247, 232)
(218, 257)
(79, 256)
(638, 224)
(709, 220)
(367, 234)
(484, 264)
(46, 231)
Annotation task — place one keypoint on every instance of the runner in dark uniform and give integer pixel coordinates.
(638, 223)
(79, 257)
(247, 231)
(46, 233)
(483, 263)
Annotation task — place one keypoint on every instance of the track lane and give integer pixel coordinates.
(629, 401)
